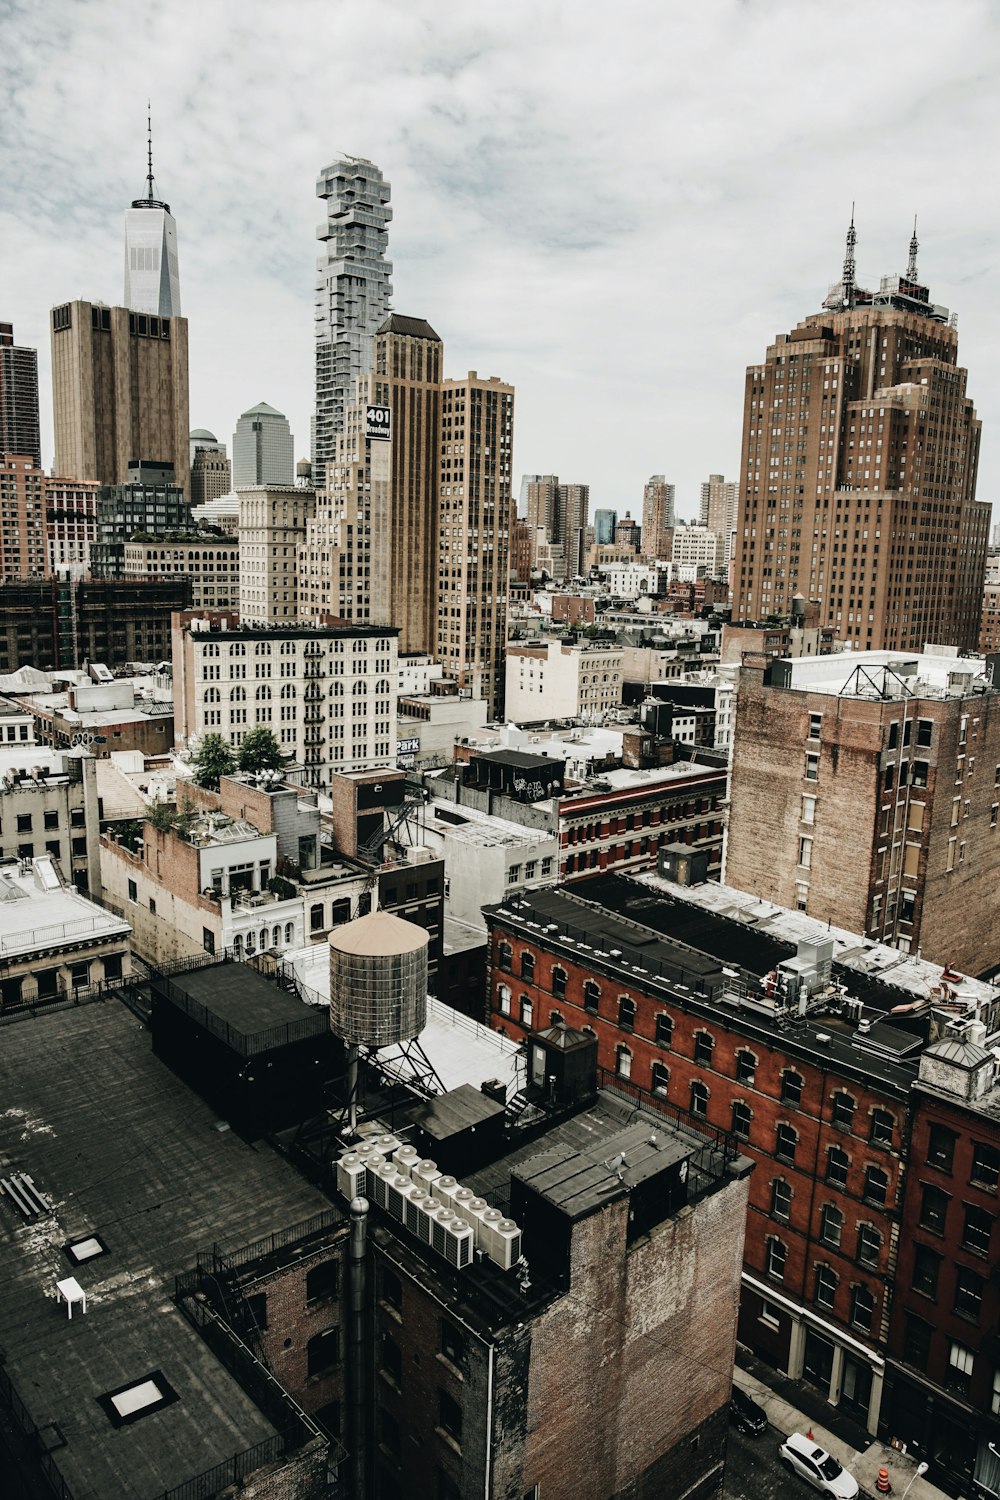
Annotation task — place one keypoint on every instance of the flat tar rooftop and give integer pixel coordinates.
(123, 1151)
(38, 911)
(935, 672)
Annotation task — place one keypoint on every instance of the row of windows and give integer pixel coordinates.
(862, 1306)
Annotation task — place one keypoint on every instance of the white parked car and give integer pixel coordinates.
(818, 1467)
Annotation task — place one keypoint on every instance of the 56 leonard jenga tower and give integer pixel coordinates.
(858, 474)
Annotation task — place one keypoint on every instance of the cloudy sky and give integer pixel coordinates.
(613, 207)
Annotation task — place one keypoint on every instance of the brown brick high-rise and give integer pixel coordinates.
(858, 472)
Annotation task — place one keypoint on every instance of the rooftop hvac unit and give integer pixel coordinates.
(444, 1190)
(378, 1183)
(427, 1221)
(351, 1176)
(853, 1009)
(415, 1202)
(425, 1173)
(491, 1218)
(459, 1243)
(397, 1192)
(446, 1226)
(387, 1144)
(475, 1212)
(406, 1158)
(506, 1249)
(460, 1203)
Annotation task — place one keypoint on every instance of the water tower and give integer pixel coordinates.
(378, 993)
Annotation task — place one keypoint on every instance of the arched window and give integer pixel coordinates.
(527, 1012)
(263, 694)
(238, 695)
(528, 967)
(504, 956)
(503, 997)
(556, 1018)
(212, 695)
(791, 1087)
(826, 1286)
(786, 1140)
(289, 932)
(276, 937)
(869, 1245)
(699, 1099)
(238, 946)
(704, 1047)
(591, 995)
(742, 1115)
(862, 1308)
(831, 1225)
(837, 1164)
(626, 1012)
(623, 1061)
(777, 1254)
(661, 1079)
(843, 1110)
(781, 1198)
(559, 982)
(876, 1184)
(288, 691)
(664, 1029)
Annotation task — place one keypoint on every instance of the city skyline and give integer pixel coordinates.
(734, 225)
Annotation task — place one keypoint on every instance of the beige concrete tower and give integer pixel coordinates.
(858, 475)
(119, 391)
(474, 549)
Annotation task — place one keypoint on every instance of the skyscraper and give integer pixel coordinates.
(119, 391)
(152, 279)
(858, 471)
(352, 291)
(717, 510)
(657, 516)
(19, 431)
(263, 448)
(477, 425)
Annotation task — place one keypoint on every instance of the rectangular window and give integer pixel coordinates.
(452, 1342)
(781, 1199)
(968, 1294)
(959, 1373)
(791, 1088)
(808, 809)
(450, 1417)
(133, 891)
(917, 1342)
(985, 1165)
(934, 1209)
(976, 1230)
(826, 1286)
(805, 853)
(926, 1265)
(785, 1143)
(812, 767)
(815, 725)
(704, 1045)
(940, 1147)
(776, 1257)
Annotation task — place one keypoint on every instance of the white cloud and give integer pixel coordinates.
(616, 209)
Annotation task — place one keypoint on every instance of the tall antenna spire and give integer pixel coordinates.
(149, 149)
(149, 199)
(849, 282)
(911, 269)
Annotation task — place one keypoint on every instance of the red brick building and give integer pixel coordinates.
(686, 1008)
(943, 1360)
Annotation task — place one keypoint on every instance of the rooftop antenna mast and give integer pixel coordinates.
(911, 267)
(149, 150)
(849, 274)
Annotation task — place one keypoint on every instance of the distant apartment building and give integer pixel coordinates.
(696, 547)
(477, 427)
(263, 449)
(119, 391)
(633, 580)
(557, 514)
(328, 694)
(49, 806)
(553, 681)
(520, 550)
(210, 563)
(717, 509)
(19, 426)
(23, 550)
(103, 715)
(70, 524)
(866, 791)
(628, 533)
(273, 525)
(658, 517)
(798, 633)
(989, 625)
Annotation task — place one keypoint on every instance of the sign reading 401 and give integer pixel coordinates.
(378, 423)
